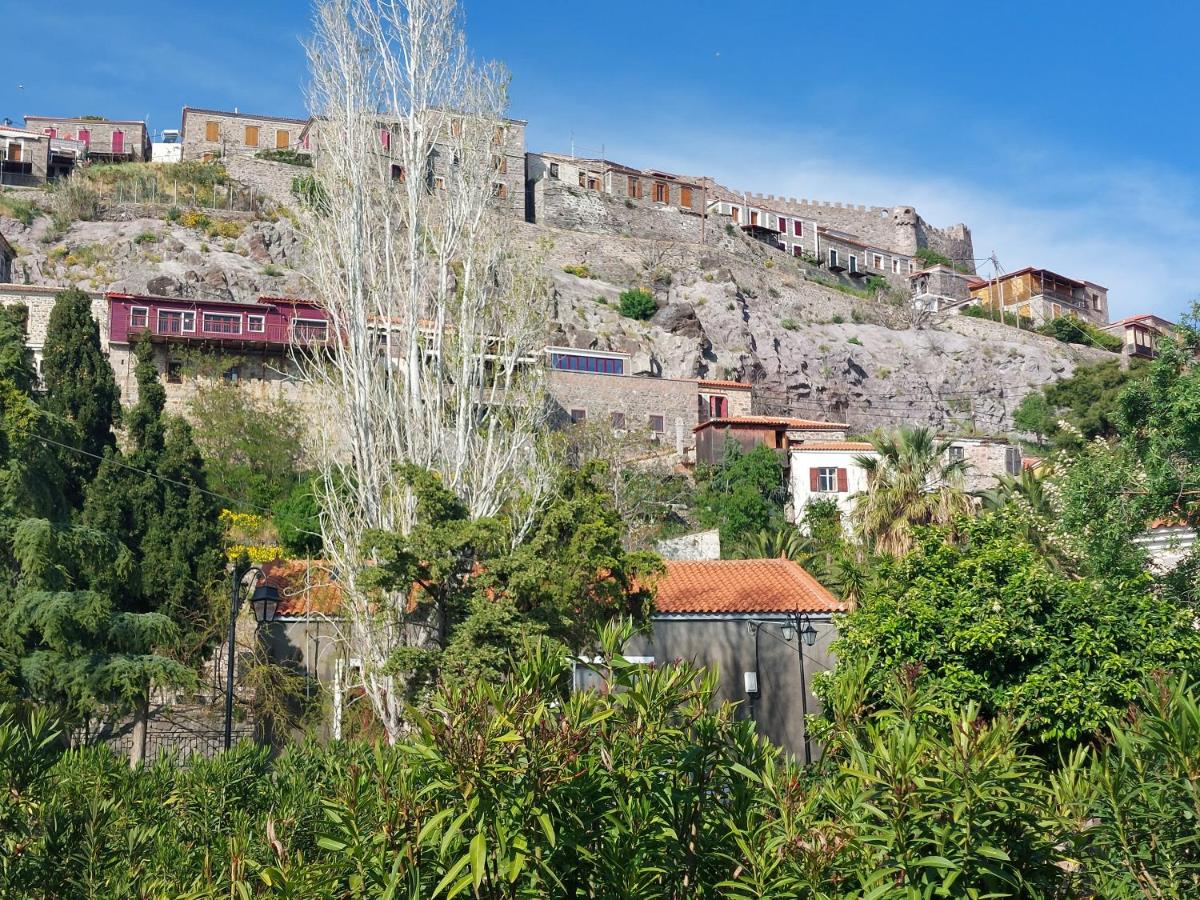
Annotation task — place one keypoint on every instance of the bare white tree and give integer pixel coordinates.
(437, 325)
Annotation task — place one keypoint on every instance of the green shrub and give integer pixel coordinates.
(1071, 330)
(174, 214)
(976, 311)
(837, 320)
(637, 303)
(311, 193)
(291, 157)
(789, 324)
(729, 229)
(146, 237)
(853, 340)
(73, 200)
(19, 208)
(578, 270)
(272, 271)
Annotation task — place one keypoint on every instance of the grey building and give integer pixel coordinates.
(210, 133)
(101, 140)
(24, 157)
(765, 625)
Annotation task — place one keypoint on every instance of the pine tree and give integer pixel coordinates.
(79, 381)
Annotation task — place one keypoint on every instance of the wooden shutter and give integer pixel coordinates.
(14, 152)
(282, 139)
(212, 131)
(685, 197)
(843, 481)
(251, 135)
(814, 480)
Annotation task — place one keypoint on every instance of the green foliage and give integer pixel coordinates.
(989, 621)
(298, 520)
(311, 194)
(80, 385)
(73, 200)
(785, 542)
(289, 156)
(146, 237)
(910, 482)
(1087, 401)
(789, 324)
(17, 207)
(745, 494)
(978, 311)
(637, 303)
(927, 256)
(1035, 415)
(646, 790)
(578, 270)
(1071, 330)
(252, 446)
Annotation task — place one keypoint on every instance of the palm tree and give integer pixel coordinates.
(1026, 489)
(786, 541)
(911, 481)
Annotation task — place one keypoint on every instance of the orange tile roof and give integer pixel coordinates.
(858, 446)
(741, 586)
(305, 587)
(716, 382)
(778, 421)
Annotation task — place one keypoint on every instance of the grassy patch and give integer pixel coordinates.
(578, 270)
(19, 208)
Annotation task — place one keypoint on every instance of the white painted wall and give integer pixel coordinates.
(800, 461)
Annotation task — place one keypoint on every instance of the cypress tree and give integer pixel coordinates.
(79, 381)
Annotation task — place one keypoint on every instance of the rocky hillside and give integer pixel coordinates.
(732, 309)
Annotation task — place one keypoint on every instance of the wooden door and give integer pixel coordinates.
(118, 142)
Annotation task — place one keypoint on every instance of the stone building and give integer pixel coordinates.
(779, 433)
(987, 459)
(38, 301)
(7, 255)
(24, 157)
(1040, 295)
(939, 288)
(602, 196)
(1140, 334)
(211, 134)
(103, 140)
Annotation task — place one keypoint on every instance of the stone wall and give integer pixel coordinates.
(636, 398)
(697, 545)
(268, 178)
(560, 204)
(987, 460)
(229, 138)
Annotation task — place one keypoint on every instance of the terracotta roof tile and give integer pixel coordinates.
(716, 382)
(305, 587)
(857, 446)
(779, 421)
(741, 586)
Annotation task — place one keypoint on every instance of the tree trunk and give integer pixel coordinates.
(137, 747)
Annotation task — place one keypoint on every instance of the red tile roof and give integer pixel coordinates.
(741, 586)
(772, 421)
(305, 587)
(733, 385)
(857, 446)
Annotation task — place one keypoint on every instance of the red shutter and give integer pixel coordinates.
(814, 483)
(842, 485)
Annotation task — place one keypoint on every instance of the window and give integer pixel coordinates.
(283, 139)
(1012, 460)
(1095, 301)
(553, 170)
(833, 258)
(736, 213)
(398, 173)
(456, 127)
(618, 421)
(797, 227)
(139, 316)
(212, 131)
(304, 330)
(500, 190)
(635, 187)
(827, 480)
(957, 454)
(583, 179)
(578, 416)
(685, 197)
(781, 222)
(573, 362)
(796, 251)
(876, 261)
(658, 426)
(500, 164)
(498, 136)
(895, 266)
(52, 132)
(174, 372)
(256, 324)
(439, 183)
(223, 323)
(251, 136)
(593, 182)
(14, 152)
(912, 267)
(385, 139)
(853, 266)
(662, 192)
(754, 217)
(718, 406)
(232, 374)
(206, 157)
(171, 321)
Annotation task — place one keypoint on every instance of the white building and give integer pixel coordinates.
(827, 470)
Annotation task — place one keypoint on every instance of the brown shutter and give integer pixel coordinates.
(212, 131)
(814, 482)
(843, 485)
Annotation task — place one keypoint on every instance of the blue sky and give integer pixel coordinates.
(1064, 134)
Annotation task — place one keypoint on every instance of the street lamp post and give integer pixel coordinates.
(264, 602)
(798, 626)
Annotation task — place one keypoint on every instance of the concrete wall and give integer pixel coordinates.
(599, 396)
(724, 643)
(230, 136)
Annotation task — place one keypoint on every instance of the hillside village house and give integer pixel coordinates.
(826, 470)
(1140, 334)
(545, 171)
(1040, 295)
(38, 301)
(102, 140)
(779, 433)
(210, 133)
(24, 157)
(940, 288)
(7, 255)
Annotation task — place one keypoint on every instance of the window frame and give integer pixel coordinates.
(133, 312)
(286, 141)
(833, 257)
(827, 474)
(578, 416)
(661, 431)
(797, 228)
(230, 317)
(662, 192)
(617, 418)
(956, 453)
(1013, 453)
(554, 170)
(300, 320)
(251, 319)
